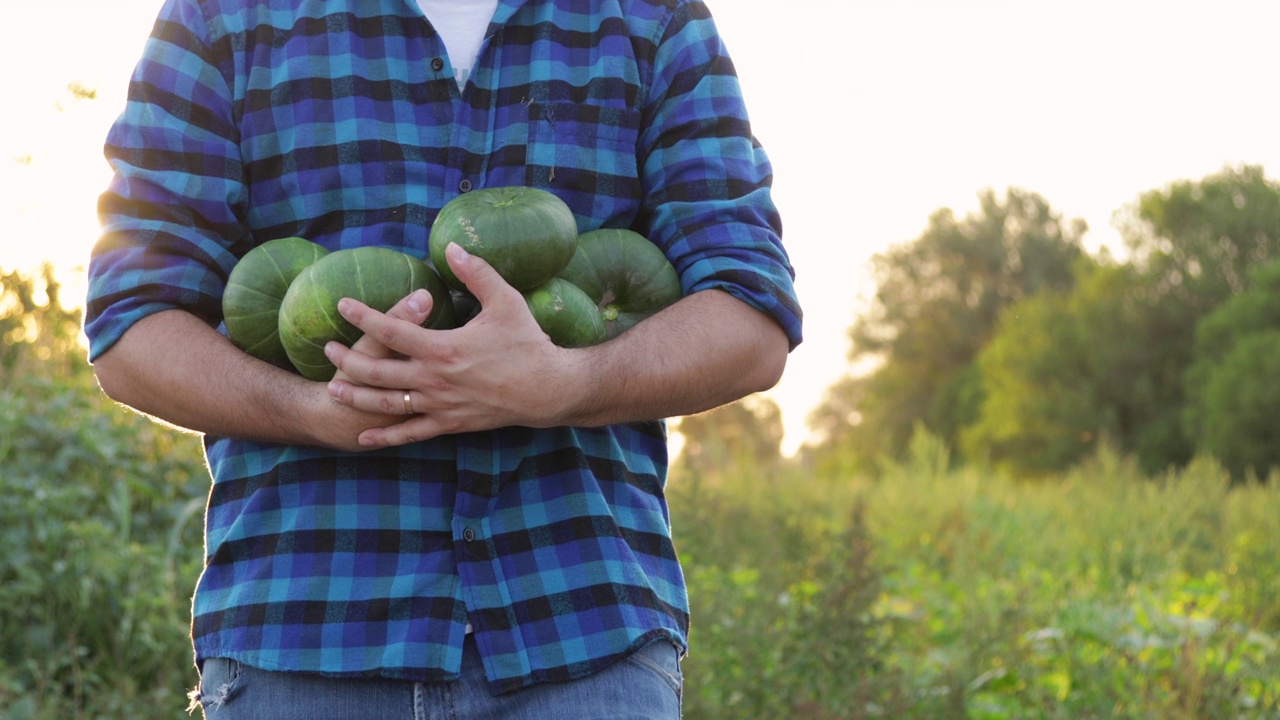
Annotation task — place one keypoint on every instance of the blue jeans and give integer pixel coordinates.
(645, 686)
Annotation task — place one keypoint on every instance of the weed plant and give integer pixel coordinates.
(933, 592)
(100, 514)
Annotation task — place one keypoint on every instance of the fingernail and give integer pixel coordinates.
(455, 253)
(418, 301)
(335, 389)
(330, 349)
(344, 306)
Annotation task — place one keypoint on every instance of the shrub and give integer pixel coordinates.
(99, 547)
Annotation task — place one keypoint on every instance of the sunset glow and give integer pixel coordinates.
(875, 114)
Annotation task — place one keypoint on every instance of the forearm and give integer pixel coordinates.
(702, 352)
(174, 367)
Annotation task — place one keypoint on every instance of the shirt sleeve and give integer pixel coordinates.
(707, 180)
(170, 215)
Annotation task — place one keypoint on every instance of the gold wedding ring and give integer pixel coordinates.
(408, 403)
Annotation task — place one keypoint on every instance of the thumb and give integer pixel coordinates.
(481, 279)
(414, 307)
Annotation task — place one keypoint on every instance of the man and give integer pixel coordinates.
(474, 518)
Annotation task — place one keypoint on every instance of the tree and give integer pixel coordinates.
(1198, 241)
(1114, 357)
(1239, 407)
(1233, 384)
(749, 430)
(1024, 424)
(37, 331)
(1069, 369)
(1193, 245)
(937, 303)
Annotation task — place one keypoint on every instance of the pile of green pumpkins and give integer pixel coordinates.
(281, 299)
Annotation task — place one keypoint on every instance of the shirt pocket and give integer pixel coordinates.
(586, 154)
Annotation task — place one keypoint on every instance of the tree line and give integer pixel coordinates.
(1000, 334)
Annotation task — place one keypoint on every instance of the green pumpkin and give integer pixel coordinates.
(627, 277)
(255, 289)
(565, 313)
(527, 234)
(377, 276)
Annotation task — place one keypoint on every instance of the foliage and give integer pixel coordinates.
(1240, 405)
(1038, 412)
(937, 303)
(782, 598)
(1231, 386)
(1101, 594)
(1066, 370)
(99, 535)
(748, 431)
(1032, 376)
(1194, 245)
(38, 334)
(1199, 240)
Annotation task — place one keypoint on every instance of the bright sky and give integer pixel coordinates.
(875, 114)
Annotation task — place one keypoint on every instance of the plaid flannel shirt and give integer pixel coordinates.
(340, 121)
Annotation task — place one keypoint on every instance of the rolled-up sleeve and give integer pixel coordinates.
(707, 180)
(170, 216)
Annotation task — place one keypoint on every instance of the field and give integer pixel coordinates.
(925, 593)
(933, 593)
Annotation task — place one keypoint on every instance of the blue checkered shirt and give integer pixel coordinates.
(340, 121)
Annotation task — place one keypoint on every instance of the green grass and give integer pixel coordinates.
(931, 593)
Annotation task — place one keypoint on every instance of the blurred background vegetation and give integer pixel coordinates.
(1049, 487)
(999, 334)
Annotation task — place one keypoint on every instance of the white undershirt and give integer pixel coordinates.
(461, 24)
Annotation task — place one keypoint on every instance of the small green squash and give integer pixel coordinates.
(625, 274)
(565, 313)
(255, 288)
(527, 234)
(377, 276)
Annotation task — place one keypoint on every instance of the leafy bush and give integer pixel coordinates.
(100, 537)
(37, 334)
(1098, 594)
(99, 547)
(783, 597)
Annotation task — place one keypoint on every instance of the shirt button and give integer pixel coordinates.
(464, 185)
(437, 64)
(468, 534)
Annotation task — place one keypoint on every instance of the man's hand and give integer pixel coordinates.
(413, 308)
(500, 368)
